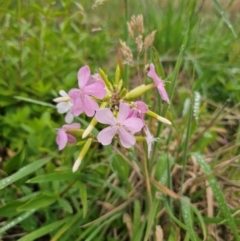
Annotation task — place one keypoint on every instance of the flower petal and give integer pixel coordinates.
(142, 107)
(89, 105)
(152, 74)
(133, 124)
(74, 94)
(105, 116)
(123, 112)
(63, 93)
(71, 138)
(96, 89)
(69, 117)
(160, 85)
(127, 139)
(106, 135)
(83, 76)
(163, 92)
(61, 139)
(63, 107)
(77, 107)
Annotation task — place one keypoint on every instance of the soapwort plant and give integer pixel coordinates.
(110, 104)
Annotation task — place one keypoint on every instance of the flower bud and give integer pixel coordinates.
(117, 75)
(123, 92)
(92, 123)
(140, 138)
(61, 99)
(158, 117)
(105, 79)
(119, 86)
(82, 154)
(76, 132)
(89, 128)
(138, 91)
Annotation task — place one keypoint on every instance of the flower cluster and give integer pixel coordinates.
(118, 110)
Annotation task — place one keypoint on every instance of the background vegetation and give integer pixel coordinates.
(189, 190)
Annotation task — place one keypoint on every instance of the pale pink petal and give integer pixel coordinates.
(96, 89)
(163, 92)
(71, 138)
(89, 106)
(71, 126)
(150, 140)
(63, 107)
(127, 139)
(152, 74)
(61, 139)
(142, 107)
(133, 124)
(63, 93)
(123, 112)
(74, 94)
(133, 113)
(77, 107)
(106, 135)
(69, 117)
(83, 76)
(160, 85)
(105, 116)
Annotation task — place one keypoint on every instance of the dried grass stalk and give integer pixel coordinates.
(149, 39)
(126, 51)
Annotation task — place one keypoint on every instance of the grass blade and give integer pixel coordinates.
(23, 172)
(224, 16)
(217, 194)
(34, 101)
(15, 221)
(44, 230)
(187, 217)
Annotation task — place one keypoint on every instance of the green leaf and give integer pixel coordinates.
(67, 226)
(217, 194)
(83, 196)
(65, 205)
(151, 216)
(34, 101)
(60, 176)
(136, 217)
(15, 221)
(10, 209)
(120, 166)
(224, 16)
(38, 202)
(24, 171)
(158, 64)
(44, 230)
(15, 162)
(187, 217)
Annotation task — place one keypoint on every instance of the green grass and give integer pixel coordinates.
(188, 190)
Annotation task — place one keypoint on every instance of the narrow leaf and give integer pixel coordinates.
(38, 202)
(34, 101)
(15, 221)
(187, 217)
(24, 171)
(44, 230)
(217, 194)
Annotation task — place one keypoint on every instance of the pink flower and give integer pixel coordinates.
(89, 85)
(139, 109)
(150, 140)
(159, 83)
(64, 106)
(63, 137)
(122, 125)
